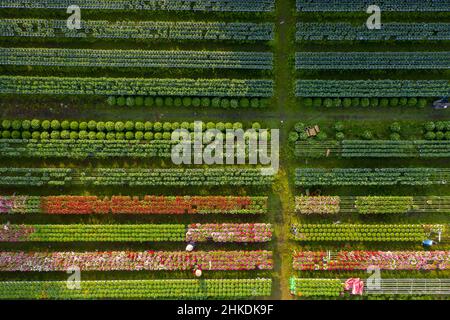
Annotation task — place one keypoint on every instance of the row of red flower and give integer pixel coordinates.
(134, 205)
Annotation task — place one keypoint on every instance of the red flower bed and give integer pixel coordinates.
(152, 205)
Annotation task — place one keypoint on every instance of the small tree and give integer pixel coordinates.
(367, 135)
(340, 136)
(395, 136)
(430, 126)
(395, 127)
(293, 136)
(339, 126)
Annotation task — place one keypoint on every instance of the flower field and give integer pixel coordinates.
(118, 119)
(134, 261)
(225, 232)
(361, 260)
(138, 289)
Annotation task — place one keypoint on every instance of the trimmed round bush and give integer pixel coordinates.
(187, 102)
(244, 103)
(26, 125)
(120, 136)
(26, 135)
(159, 102)
(178, 102)
(55, 125)
(384, 102)
(101, 126)
(111, 100)
(395, 136)
(300, 127)
(129, 126)
(393, 102)
(395, 127)
(430, 135)
(65, 134)
(168, 102)
(17, 124)
(139, 101)
(412, 102)
(130, 102)
(215, 103)
(36, 135)
(347, 102)
(74, 135)
(339, 126)
(196, 102)
(340, 136)
(167, 126)
(139, 135)
(148, 136)
(365, 102)
(92, 125)
(328, 103)
(6, 124)
(440, 135)
(429, 126)
(100, 136)
(119, 126)
(139, 126)
(224, 103)
(110, 136)
(234, 103)
(293, 136)
(148, 126)
(109, 126)
(356, 102)
(74, 126)
(254, 103)
(121, 101)
(129, 135)
(157, 126)
(205, 102)
(83, 125)
(6, 134)
(303, 136)
(83, 135)
(45, 135)
(367, 135)
(92, 135)
(55, 135)
(46, 124)
(149, 101)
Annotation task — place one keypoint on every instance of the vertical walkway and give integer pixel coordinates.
(283, 53)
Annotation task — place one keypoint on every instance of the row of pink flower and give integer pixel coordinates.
(317, 205)
(14, 233)
(361, 260)
(132, 261)
(229, 232)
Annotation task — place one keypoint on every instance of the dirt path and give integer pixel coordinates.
(284, 50)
